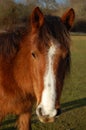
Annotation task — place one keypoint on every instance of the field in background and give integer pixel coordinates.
(73, 99)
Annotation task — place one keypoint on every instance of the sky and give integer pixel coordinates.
(59, 1)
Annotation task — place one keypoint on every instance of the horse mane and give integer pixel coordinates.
(10, 41)
(54, 28)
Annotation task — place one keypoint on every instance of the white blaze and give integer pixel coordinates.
(49, 93)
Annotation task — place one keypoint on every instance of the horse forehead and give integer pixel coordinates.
(52, 50)
(54, 47)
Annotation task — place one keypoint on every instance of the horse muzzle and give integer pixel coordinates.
(47, 118)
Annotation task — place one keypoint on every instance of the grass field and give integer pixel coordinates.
(73, 99)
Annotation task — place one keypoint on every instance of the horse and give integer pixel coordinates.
(33, 65)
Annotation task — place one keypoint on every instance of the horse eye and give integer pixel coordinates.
(33, 54)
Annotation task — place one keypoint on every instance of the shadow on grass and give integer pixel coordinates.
(8, 128)
(8, 124)
(8, 121)
(73, 104)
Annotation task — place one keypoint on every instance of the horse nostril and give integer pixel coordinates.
(58, 112)
(40, 111)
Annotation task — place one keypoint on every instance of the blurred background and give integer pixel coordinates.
(16, 12)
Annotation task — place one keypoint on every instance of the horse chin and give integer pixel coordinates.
(44, 119)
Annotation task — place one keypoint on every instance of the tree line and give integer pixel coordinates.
(16, 14)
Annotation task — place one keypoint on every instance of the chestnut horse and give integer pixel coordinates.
(33, 65)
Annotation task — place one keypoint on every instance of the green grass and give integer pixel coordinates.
(73, 99)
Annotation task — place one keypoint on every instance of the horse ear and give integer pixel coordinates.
(37, 18)
(68, 18)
